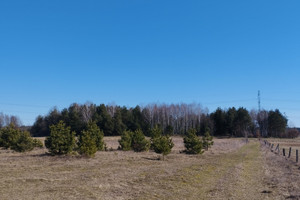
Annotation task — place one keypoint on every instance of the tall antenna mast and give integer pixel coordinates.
(258, 98)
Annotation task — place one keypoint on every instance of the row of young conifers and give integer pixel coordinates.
(64, 141)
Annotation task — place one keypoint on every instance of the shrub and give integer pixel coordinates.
(61, 139)
(17, 140)
(135, 141)
(162, 145)
(97, 134)
(87, 144)
(91, 140)
(192, 143)
(125, 141)
(23, 143)
(156, 132)
(139, 142)
(9, 136)
(207, 140)
(37, 143)
(290, 133)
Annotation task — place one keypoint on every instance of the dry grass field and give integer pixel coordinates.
(231, 169)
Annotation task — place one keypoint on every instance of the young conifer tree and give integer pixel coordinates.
(9, 136)
(162, 145)
(156, 132)
(97, 134)
(17, 140)
(207, 140)
(139, 142)
(135, 141)
(125, 141)
(87, 143)
(91, 140)
(192, 143)
(61, 139)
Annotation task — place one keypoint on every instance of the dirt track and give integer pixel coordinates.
(230, 170)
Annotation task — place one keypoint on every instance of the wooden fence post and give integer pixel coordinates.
(277, 148)
(283, 151)
(296, 155)
(290, 151)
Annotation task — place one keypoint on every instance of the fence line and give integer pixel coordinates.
(277, 150)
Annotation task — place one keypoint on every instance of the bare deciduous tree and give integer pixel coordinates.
(87, 111)
(5, 120)
(181, 117)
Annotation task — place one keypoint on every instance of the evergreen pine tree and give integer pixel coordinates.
(192, 143)
(125, 141)
(87, 143)
(162, 145)
(61, 139)
(155, 133)
(9, 136)
(17, 140)
(23, 143)
(97, 134)
(118, 124)
(139, 142)
(207, 140)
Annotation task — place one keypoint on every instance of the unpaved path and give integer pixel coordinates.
(235, 175)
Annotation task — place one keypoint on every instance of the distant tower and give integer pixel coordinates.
(258, 98)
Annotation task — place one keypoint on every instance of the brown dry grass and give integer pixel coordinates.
(282, 175)
(229, 170)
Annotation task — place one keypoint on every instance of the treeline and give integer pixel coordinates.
(240, 122)
(172, 119)
(114, 120)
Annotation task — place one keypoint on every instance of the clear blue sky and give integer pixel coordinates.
(214, 52)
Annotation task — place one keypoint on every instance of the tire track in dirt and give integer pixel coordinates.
(242, 176)
(234, 175)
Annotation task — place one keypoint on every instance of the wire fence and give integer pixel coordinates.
(287, 152)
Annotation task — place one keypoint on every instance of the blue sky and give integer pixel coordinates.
(217, 53)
